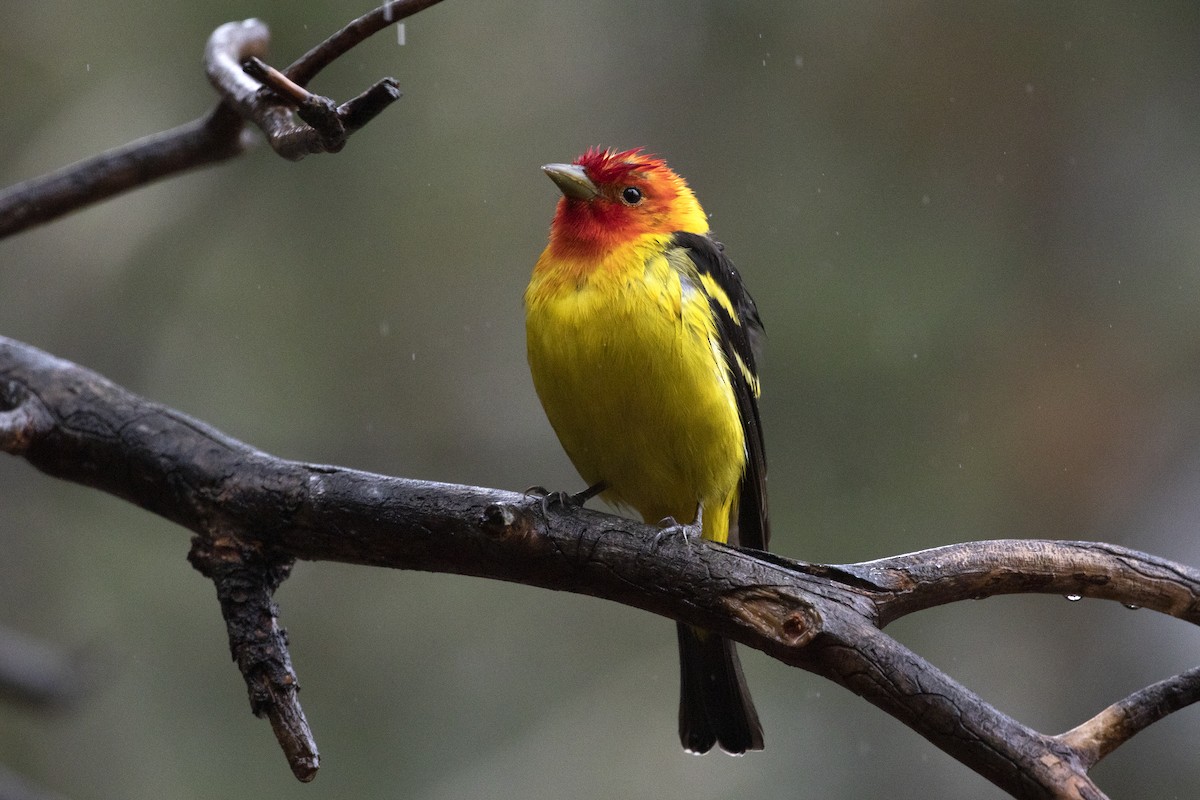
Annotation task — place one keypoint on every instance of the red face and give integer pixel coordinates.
(636, 194)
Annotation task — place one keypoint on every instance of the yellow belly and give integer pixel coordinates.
(634, 382)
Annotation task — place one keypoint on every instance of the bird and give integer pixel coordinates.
(642, 342)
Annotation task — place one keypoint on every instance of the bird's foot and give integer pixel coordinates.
(672, 527)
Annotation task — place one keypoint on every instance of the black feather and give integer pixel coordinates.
(741, 338)
(714, 703)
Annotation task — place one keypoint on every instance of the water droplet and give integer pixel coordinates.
(1131, 606)
(1074, 598)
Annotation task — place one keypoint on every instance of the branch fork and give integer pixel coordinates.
(254, 514)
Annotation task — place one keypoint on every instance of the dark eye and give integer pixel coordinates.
(631, 195)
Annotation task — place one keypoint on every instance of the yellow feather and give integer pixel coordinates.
(628, 365)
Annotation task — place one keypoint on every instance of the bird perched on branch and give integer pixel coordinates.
(642, 343)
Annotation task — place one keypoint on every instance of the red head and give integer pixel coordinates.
(614, 198)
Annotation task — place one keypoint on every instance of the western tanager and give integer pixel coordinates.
(642, 345)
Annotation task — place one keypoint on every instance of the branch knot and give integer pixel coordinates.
(505, 521)
(23, 418)
(786, 618)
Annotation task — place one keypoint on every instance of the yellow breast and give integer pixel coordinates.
(627, 362)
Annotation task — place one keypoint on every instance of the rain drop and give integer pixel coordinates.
(1074, 598)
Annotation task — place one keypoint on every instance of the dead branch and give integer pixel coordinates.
(220, 134)
(246, 576)
(214, 137)
(253, 513)
(916, 581)
(1118, 723)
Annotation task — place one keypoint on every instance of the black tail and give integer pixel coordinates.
(714, 703)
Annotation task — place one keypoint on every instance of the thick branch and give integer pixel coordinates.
(74, 424)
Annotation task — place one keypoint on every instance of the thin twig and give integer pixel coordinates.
(212, 138)
(276, 81)
(226, 49)
(904, 584)
(327, 125)
(246, 577)
(218, 135)
(306, 67)
(1120, 722)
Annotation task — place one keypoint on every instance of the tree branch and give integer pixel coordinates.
(1118, 723)
(219, 134)
(214, 137)
(904, 584)
(257, 512)
(246, 576)
(305, 68)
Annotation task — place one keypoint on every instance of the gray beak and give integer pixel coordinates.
(572, 181)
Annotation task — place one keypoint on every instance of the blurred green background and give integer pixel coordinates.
(972, 233)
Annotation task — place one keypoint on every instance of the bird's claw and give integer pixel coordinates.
(548, 497)
(671, 527)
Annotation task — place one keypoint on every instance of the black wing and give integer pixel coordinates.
(741, 339)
